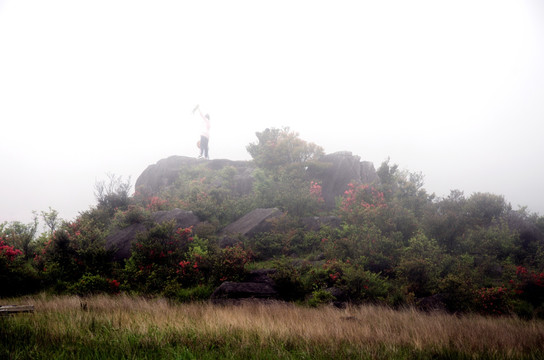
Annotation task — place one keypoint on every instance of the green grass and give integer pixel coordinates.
(125, 327)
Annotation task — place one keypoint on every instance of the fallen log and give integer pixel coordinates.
(16, 309)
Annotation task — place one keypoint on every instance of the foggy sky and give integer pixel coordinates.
(451, 89)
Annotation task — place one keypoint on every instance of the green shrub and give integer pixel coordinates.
(94, 284)
(176, 292)
(288, 281)
(156, 257)
(17, 276)
(135, 214)
(364, 286)
(320, 297)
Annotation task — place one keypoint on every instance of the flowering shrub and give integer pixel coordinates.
(494, 300)
(316, 191)
(529, 286)
(356, 283)
(156, 257)
(94, 284)
(154, 203)
(361, 204)
(231, 261)
(15, 277)
(191, 271)
(358, 197)
(9, 252)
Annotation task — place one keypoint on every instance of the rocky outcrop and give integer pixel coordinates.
(165, 172)
(182, 218)
(259, 285)
(120, 242)
(246, 290)
(254, 222)
(334, 171)
(337, 170)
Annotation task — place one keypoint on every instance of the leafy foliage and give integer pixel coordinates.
(278, 148)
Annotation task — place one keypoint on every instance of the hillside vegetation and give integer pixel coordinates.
(396, 245)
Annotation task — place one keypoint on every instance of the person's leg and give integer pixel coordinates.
(204, 146)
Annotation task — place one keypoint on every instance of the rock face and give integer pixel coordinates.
(254, 222)
(165, 172)
(334, 171)
(340, 169)
(182, 218)
(121, 241)
(259, 285)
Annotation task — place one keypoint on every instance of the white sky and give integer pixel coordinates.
(452, 89)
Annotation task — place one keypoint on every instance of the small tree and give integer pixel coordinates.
(113, 194)
(51, 219)
(278, 148)
(20, 235)
(282, 180)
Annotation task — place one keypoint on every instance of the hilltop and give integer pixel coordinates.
(293, 224)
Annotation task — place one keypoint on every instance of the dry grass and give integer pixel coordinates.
(365, 328)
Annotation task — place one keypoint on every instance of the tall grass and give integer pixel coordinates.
(132, 327)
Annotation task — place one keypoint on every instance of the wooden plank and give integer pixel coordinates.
(15, 309)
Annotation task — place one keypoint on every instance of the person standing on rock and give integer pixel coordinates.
(205, 133)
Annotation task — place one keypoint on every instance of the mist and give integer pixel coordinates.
(451, 90)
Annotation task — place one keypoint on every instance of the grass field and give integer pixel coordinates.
(124, 327)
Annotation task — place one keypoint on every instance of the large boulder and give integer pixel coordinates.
(182, 218)
(121, 241)
(165, 172)
(254, 222)
(259, 285)
(337, 170)
(245, 290)
(162, 174)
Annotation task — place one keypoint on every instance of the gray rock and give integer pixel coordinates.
(121, 241)
(254, 222)
(340, 169)
(234, 290)
(158, 177)
(162, 174)
(335, 171)
(262, 276)
(183, 218)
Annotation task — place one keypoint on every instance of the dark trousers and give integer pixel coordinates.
(204, 146)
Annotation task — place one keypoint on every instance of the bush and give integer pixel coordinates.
(288, 281)
(494, 300)
(320, 297)
(94, 284)
(156, 257)
(363, 285)
(17, 276)
(229, 264)
(175, 291)
(135, 214)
